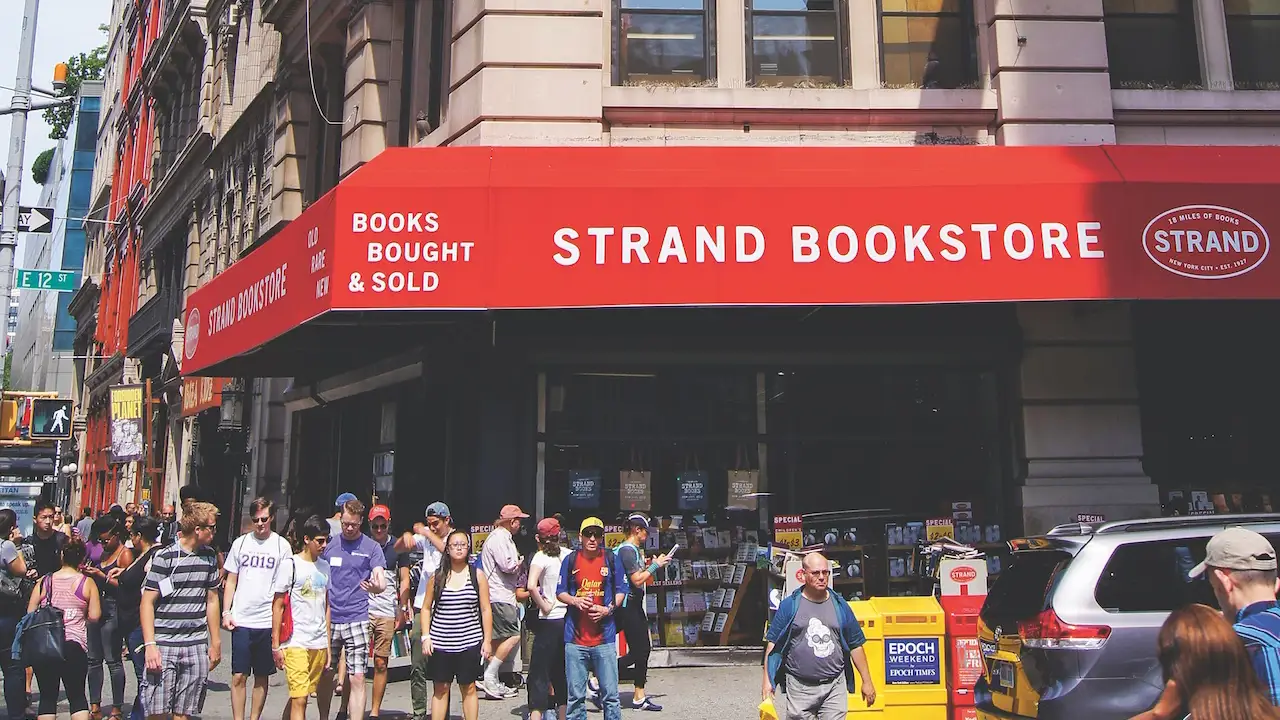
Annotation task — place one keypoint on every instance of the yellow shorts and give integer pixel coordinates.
(302, 669)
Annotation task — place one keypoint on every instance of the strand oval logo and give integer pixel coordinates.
(1206, 242)
(963, 574)
(191, 335)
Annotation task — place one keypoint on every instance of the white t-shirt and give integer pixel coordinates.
(307, 584)
(548, 581)
(431, 558)
(256, 564)
(385, 603)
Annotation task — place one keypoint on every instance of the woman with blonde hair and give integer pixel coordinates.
(1207, 671)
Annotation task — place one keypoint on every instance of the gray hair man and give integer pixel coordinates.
(812, 641)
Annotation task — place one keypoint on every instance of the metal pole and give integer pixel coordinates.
(20, 104)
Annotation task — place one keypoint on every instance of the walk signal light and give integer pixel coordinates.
(50, 419)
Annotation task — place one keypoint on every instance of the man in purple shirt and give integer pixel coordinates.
(355, 573)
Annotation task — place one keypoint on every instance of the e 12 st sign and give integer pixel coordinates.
(56, 280)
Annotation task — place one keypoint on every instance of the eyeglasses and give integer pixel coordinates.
(262, 520)
(351, 525)
(819, 573)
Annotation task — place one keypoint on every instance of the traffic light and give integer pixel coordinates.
(50, 419)
(59, 76)
(8, 419)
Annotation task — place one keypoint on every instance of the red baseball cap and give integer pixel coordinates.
(380, 511)
(510, 512)
(548, 527)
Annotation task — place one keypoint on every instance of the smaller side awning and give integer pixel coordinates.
(460, 229)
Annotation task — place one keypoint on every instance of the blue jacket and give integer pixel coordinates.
(779, 633)
(615, 583)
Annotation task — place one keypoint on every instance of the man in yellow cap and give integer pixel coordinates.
(592, 585)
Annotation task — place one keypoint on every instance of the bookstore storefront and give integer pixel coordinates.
(824, 353)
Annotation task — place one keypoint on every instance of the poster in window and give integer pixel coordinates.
(126, 423)
(692, 489)
(744, 485)
(635, 491)
(584, 489)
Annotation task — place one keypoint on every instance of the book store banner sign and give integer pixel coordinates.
(635, 489)
(584, 489)
(744, 485)
(126, 423)
(692, 490)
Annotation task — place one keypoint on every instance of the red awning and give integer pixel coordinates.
(522, 227)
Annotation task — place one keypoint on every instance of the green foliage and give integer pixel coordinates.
(80, 67)
(40, 168)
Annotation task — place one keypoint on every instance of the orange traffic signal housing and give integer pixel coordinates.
(59, 76)
(8, 419)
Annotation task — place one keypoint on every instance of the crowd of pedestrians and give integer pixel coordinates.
(323, 602)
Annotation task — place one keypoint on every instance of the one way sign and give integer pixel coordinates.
(35, 219)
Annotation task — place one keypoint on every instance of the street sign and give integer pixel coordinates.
(35, 219)
(60, 280)
(50, 419)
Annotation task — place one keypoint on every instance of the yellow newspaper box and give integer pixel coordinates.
(872, 628)
(913, 660)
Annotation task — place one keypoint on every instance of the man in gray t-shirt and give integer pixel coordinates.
(813, 655)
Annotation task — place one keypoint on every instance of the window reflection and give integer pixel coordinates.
(1152, 44)
(1253, 33)
(663, 42)
(796, 43)
(928, 44)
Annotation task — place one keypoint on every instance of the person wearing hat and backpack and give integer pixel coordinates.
(592, 585)
(631, 618)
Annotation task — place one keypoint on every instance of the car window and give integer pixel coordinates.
(1019, 592)
(1153, 577)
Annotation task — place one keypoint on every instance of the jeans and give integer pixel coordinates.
(632, 622)
(106, 644)
(601, 659)
(138, 655)
(15, 675)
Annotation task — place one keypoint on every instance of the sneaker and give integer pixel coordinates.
(593, 685)
(510, 691)
(647, 704)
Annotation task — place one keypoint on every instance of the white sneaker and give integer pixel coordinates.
(496, 691)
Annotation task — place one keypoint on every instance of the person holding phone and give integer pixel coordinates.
(592, 587)
(631, 616)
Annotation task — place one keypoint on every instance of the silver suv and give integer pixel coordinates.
(1069, 628)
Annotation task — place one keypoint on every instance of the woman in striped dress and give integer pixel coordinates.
(457, 628)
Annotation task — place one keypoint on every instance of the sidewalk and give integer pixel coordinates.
(685, 693)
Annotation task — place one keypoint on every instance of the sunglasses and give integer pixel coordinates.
(262, 520)
(595, 533)
(378, 526)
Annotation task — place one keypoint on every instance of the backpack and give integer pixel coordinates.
(286, 615)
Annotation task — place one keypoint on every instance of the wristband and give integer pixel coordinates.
(150, 644)
(653, 568)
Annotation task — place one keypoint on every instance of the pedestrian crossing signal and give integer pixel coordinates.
(50, 419)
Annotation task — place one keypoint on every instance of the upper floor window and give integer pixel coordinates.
(927, 44)
(1152, 44)
(1253, 33)
(797, 42)
(664, 42)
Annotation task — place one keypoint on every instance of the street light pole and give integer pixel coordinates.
(21, 105)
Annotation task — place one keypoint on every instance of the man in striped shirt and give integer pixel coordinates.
(1241, 566)
(179, 614)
